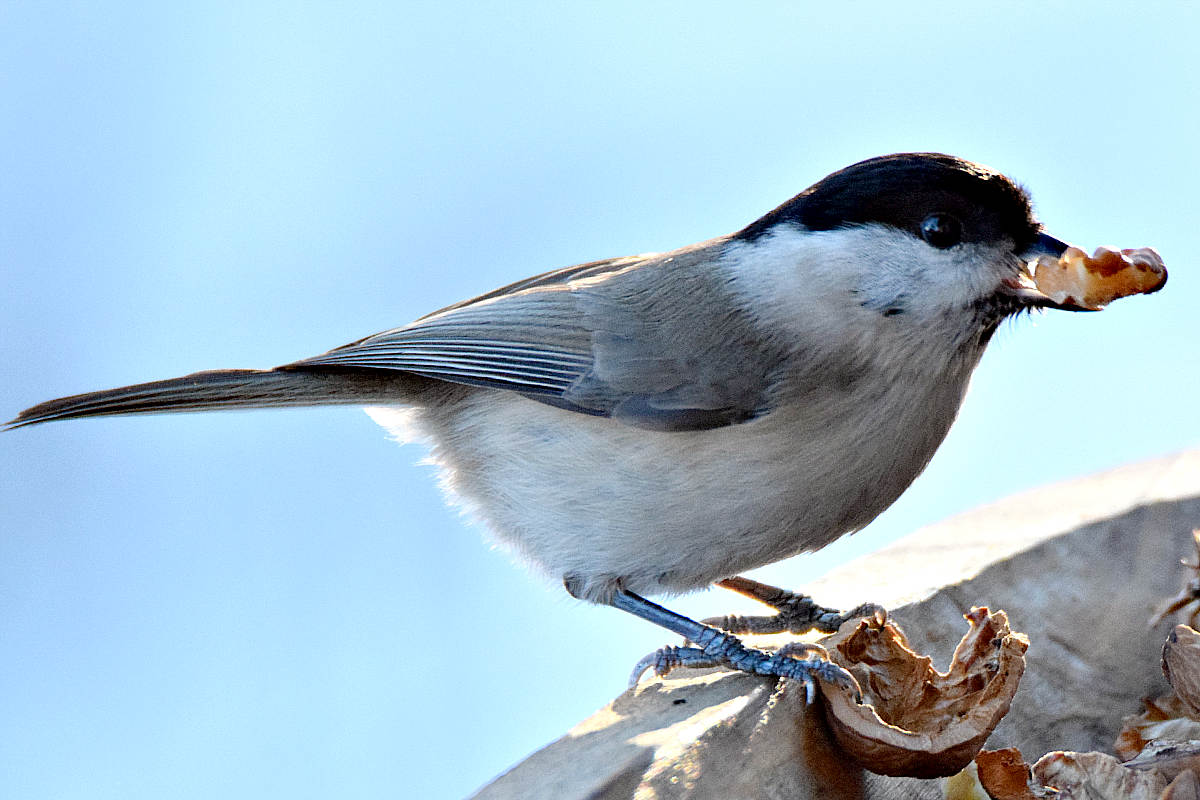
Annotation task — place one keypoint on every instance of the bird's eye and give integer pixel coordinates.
(941, 230)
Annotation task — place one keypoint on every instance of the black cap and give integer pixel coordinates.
(903, 190)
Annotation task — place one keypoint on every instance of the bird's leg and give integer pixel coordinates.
(797, 612)
(712, 647)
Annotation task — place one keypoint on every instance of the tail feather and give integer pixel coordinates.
(229, 389)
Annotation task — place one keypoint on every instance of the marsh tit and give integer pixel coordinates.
(657, 423)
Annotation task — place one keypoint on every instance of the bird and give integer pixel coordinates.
(656, 424)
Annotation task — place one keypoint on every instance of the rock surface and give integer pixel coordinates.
(1080, 567)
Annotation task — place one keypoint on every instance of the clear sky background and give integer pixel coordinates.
(277, 604)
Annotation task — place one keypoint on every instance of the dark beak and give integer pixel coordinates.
(1045, 245)
(1022, 288)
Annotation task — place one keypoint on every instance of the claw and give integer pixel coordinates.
(803, 650)
(639, 669)
(797, 613)
(783, 663)
(665, 659)
(714, 647)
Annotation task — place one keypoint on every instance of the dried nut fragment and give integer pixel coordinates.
(1004, 775)
(915, 721)
(1077, 776)
(1181, 665)
(1186, 786)
(1188, 598)
(1095, 281)
(1169, 758)
(1163, 719)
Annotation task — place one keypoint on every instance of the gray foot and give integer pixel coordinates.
(797, 612)
(712, 647)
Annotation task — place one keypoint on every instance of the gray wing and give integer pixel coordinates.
(596, 338)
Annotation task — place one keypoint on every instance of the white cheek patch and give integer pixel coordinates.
(822, 283)
(792, 276)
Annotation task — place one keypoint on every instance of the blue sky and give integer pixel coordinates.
(277, 603)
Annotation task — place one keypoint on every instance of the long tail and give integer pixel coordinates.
(232, 388)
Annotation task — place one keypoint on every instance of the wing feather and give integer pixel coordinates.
(600, 338)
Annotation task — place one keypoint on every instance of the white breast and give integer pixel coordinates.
(655, 512)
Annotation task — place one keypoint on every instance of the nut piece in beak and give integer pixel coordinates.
(1092, 282)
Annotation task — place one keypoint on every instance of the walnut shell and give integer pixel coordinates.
(1097, 775)
(1169, 773)
(1162, 719)
(1095, 281)
(1170, 758)
(915, 721)
(1181, 665)
(1186, 786)
(1188, 599)
(1004, 775)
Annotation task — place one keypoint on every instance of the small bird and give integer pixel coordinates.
(658, 423)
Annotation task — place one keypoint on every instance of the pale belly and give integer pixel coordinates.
(610, 505)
